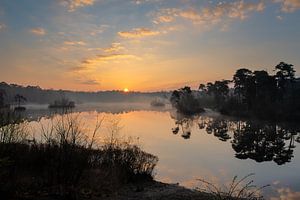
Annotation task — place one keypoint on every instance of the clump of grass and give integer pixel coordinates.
(12, 128)
(238, 189)
(64, 160)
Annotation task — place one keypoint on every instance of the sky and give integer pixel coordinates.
(143, 45)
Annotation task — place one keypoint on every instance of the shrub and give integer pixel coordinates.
(185, 101)
(238, 189)
(65, 159)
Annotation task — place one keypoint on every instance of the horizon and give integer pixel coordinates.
(143, 45)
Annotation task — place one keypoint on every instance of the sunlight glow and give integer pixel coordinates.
(126, 90)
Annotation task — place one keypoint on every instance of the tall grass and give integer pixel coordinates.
(243, 189)
(65, 159)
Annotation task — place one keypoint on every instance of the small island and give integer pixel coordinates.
(62, 103)
(186, 102)
(19, 99)
(157, 103)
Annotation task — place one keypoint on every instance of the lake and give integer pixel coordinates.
(208, 146)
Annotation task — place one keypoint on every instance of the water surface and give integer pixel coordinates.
(209, 146)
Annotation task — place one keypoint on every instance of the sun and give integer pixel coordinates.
(126, 90)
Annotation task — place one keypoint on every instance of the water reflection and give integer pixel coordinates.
(249, 139)
(209, 152)
(37, 112)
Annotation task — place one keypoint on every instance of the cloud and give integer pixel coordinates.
(99, 29)
(138, 2)
(115, 47)
(289, 5)
(213, 14)
(2, 26)
(109, 57)
(138, 33)
(286, 194)
(74, 4)
(165, 18)
(38, 31)
(75, 43)
(88, 81)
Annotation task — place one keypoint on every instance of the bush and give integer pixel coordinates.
(185, 101)
(238, 189)
(65, 161)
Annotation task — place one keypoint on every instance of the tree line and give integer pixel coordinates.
(35, 94)
(251, 94)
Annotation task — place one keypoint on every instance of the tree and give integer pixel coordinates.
(285, 71)
(19, 99)
(185, 101)
(244, 86)
(2, 95)
(202, 88)
(265, 90)
(219, 90)
(285, 76)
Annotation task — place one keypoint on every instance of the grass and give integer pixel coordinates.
(65, 161)
(238, 189)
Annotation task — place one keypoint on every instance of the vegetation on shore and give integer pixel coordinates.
(37, 95)
(185, 101)
(62, 103)
(249, 94)
(64, 163)
(237, 189)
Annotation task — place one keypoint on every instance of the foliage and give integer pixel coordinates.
(185, 101)
(64, 160)
(2, 95)
(19, 99)
(258, 94)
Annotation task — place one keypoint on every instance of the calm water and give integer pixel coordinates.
(210, 146)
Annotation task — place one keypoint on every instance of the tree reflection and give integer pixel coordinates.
(249, 139)
(219, 128)
(263, 142)
(183, 124)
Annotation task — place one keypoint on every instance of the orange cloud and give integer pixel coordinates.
(289, 5)
(213, 14)
(165, 18)
(74, 4)
(110, 57)
(74, 43)
(138, 33)
(115, 47)
(88, 81)
(38, 31)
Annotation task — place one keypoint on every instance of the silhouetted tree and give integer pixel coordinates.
(285, 76)
(284, 73)
(202, 88)
(244, 86)
(185, 101)
(20, 99)
(265, 91)
(2, 95)
(220, 91)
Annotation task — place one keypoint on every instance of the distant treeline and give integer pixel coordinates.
(35, 94)
(250, 94)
